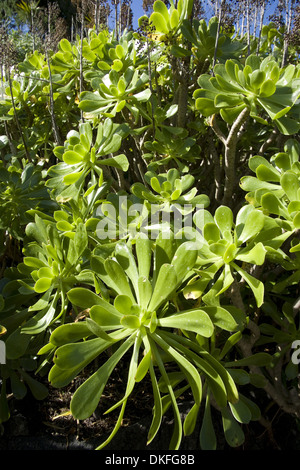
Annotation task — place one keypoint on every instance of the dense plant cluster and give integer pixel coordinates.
(150, 183)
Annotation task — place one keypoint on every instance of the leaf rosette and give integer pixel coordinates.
(141, 318)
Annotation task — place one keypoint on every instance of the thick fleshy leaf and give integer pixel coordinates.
(290, 183)
(126, 259)
(130, 321)
(265, 173)
(145, 292)
(73, 355)
(258, 359)
(211, 232)
(222, 318)
(40, 321)
(224, 218)
(87, 396)
(184, 259)
(190, 371)
(106, 317)
(119, 278)
(241, 412)
(255, 285)
(69, 333)
(196, 320)
(208, 440)
(165, 285)
(84, 298)
(255, 255)
(159, 22)
(233, 432)
(80, 239)
(157, 409)
(191, 420)
(253, 225)
(143, 367)
(144, 254)
(71, 157)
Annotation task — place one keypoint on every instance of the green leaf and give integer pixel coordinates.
(266, 173)
(255, 285)
(174, 20)
(208, 439)
(164, 287)
(130, 321)
(224, 218)
(106, 315)
(78, 355)
(212, 373)
(119, 161)
(241, 412)
(40, 321)
(191, 420)
(123, 304)
(145, 292)
(87, 396)
(287, 126)
(290, 183)
(144, 253)
(230, 342)
(159, 22)
(131, 373)
(126, 259)
(230, 253)
(84, 298)
(255, 411)
(273, 205)
(211, 232)
(143, 367)
(253, 225)
(258, 359)
(80, 239)
(190, 371)
(206, 106)
(222, 318)
(257, 78)
(16, 344)
(97, 330)
(157, 409)
(268, 88)
(184, 260)
(161, 8)
(195, 320)
(69, 333)
(71, 158)
(255, 255)
(38, 390)
(119, 278)
(233, 432)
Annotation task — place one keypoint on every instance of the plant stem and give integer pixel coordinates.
(230, 144)
(17, 119)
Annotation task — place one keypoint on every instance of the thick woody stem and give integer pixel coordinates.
(230, 157)
(284, 399)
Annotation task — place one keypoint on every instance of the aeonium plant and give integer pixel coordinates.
(226, 246)
(260, 86)
(141, 313)
(83, 155)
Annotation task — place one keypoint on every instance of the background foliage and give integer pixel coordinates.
(180, 112)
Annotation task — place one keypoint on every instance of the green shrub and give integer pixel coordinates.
(163, 202)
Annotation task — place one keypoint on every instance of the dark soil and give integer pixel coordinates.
(46, 425)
